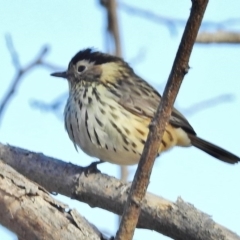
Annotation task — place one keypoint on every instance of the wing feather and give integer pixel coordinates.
(138, 97)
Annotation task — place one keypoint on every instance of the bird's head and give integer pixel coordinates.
(92, 66)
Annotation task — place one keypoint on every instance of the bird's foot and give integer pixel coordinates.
(92, 168)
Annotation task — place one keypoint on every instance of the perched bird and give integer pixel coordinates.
(109, 110)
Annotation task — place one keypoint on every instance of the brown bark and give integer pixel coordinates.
(179, 220)
(218, 37)
(27, 209)
(179, 69)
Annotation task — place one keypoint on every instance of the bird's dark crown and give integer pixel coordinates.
(94, 56)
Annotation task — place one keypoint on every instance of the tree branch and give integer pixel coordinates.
(21, 71)
(218, 37)
(172, 23)
(29, 211)
(113, 31)
(55, 106)
(178, 220)
(150, 151)
(112, 24)
(208, 103)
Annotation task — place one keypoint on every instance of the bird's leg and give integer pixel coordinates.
(92, 168)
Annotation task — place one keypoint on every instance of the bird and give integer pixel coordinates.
(110, 108)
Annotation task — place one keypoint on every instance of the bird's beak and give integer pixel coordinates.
(59, 74)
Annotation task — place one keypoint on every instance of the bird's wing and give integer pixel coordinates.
(141, 99)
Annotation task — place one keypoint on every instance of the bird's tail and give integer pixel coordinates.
(214, 150)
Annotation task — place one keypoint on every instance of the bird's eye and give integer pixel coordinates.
(81, 68)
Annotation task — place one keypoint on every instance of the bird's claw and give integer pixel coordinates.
(92, 168)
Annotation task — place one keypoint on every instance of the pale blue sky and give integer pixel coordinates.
(210, 185)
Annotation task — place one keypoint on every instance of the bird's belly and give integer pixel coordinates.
(102, 142)
(112, 155)
(117, 157)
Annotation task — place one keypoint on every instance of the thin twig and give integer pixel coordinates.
(112, 26)
(139, 56)
(114, 33)
(179, 69)
(12, 51)
(151, 16)
(20, 71)
(208, 103)
(172, 23)
(55, 106)
(218, 37)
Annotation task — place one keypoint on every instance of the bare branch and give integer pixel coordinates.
(21, 71)
(208, 103)
(218, 37)
(113, 31)
(55, 106)
(29, 211)
(139, 57)
(172, 23)
(13, 52)
(150, 151)
(153, 17)
(112, 24)
(178, 220)
(50, 66)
